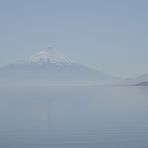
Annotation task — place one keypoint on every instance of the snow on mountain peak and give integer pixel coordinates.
(48, 55)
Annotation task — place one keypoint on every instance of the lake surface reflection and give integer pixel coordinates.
(74, 117)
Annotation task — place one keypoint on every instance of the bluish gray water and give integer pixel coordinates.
(73, 117)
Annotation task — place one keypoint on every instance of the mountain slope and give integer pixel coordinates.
(51, 67)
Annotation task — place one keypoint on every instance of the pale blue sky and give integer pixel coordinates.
(108, 35)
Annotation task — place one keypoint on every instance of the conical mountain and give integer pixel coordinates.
(50, 67)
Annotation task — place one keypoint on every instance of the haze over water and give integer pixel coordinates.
(73, 117)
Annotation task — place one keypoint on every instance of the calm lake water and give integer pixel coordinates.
(74, 117)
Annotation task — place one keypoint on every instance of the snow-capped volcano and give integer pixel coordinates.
(48, 55)
(50, 67)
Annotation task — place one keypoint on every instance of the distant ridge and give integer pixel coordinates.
(138, 81)
(142, 84)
